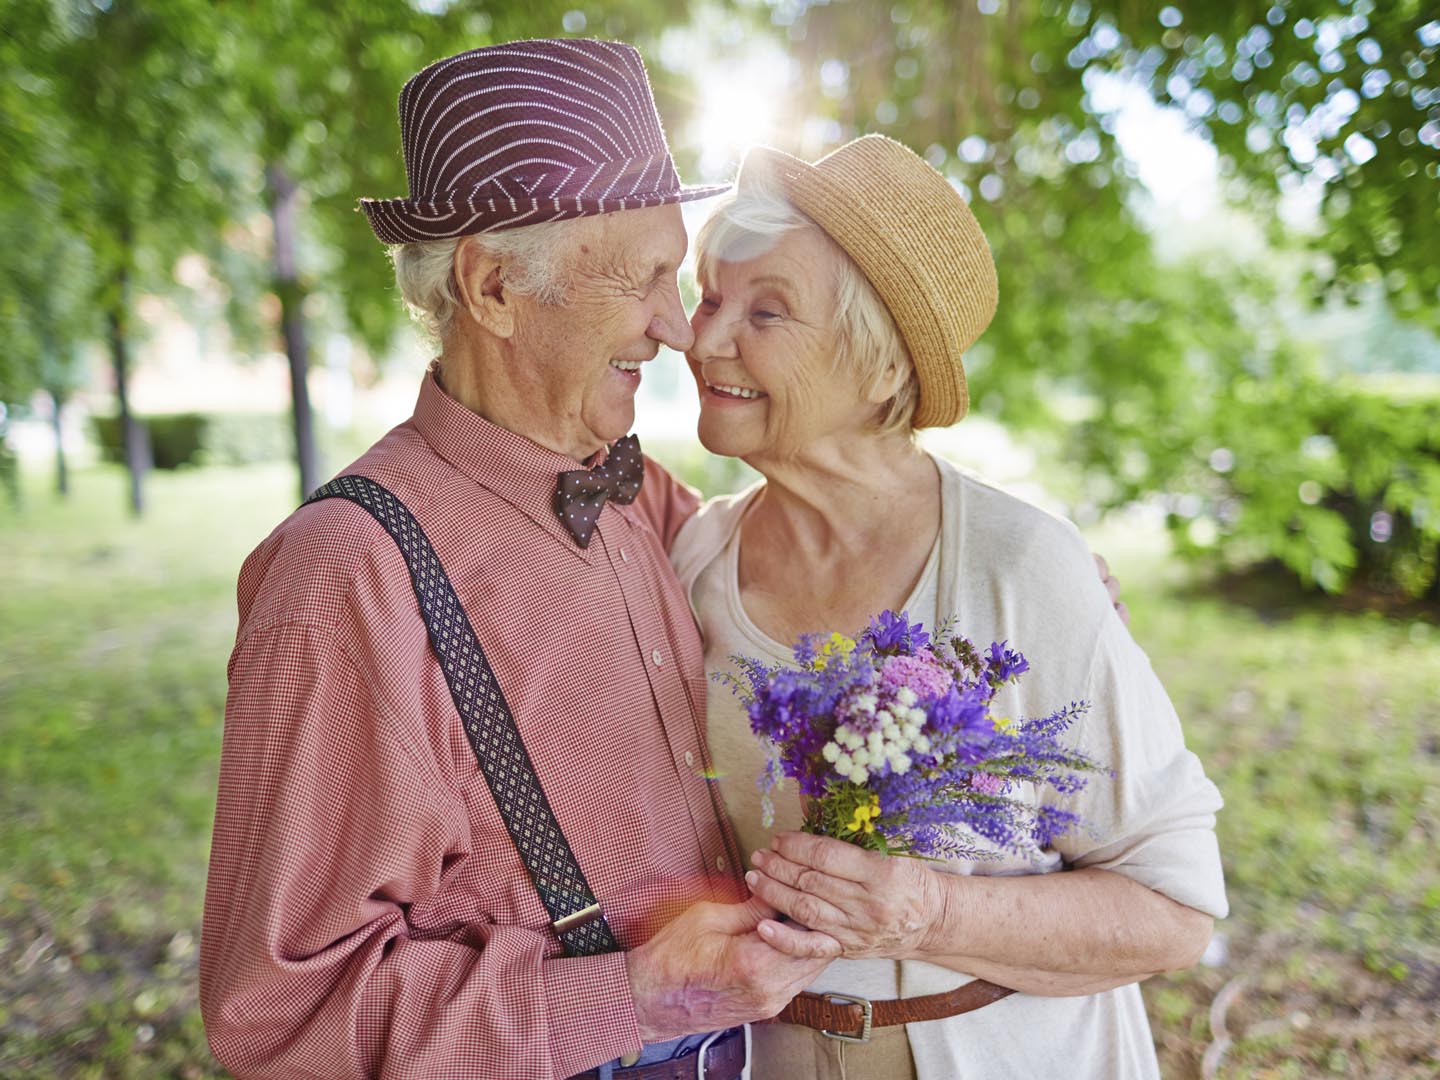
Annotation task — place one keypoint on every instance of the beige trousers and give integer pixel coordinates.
(793, 1052)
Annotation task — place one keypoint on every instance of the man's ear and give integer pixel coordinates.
(481, 290)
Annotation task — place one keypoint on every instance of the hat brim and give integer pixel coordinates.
(409, 221)
(859, 217)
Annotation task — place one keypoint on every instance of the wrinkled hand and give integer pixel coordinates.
(872, 904)
(1112, 586)
(719, 965)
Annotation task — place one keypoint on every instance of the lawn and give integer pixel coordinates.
(1322, 730)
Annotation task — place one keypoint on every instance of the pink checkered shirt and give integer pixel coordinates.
(367, 913)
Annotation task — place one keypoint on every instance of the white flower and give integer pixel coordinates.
(892, 732)
(905, 696)
(922, 744)
(900, 764)
(844, 765)
(865, 703)
(875, 743)
(910, 730)
(831, 752)
(861, 757)
(883, 717)
(859, 775)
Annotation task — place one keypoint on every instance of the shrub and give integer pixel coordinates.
(178, 439)
(175, 438)
(1338, 481)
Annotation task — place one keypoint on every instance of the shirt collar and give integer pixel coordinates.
(521, 472)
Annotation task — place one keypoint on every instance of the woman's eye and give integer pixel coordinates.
(764, 316)
(708, 304)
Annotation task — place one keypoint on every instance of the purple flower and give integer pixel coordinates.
(1005, 664)
(895, 634)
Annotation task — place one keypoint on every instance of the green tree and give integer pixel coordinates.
(1341, 95)
(112, 127)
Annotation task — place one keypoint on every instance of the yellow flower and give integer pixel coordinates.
(839, 647)
(1003, 723)
(865, 815)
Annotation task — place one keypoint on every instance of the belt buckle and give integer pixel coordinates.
(867, 1015)
(710, 1040)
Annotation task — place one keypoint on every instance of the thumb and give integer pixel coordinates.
(743, 917)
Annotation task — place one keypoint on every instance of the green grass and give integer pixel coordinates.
(1322, 730)
(113, 641)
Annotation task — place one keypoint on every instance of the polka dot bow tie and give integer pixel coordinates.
(580, 495)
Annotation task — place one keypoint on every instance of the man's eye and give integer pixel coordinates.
(709, 303)
(761, 315)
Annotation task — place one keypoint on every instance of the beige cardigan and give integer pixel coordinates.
(1010, 571)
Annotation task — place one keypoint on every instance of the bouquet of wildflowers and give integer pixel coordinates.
(892, 739)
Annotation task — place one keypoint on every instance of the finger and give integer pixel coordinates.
(1123, 610)
(800, 944)
(839, 891)
(1112, 586)
(829, 856)
(1101, 566)
(811, 910)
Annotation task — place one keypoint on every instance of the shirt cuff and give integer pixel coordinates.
(591, 1011)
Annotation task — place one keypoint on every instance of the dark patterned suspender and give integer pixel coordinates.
(574, 911)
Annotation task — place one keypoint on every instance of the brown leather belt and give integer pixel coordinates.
(849, 1018)
(723, 1059)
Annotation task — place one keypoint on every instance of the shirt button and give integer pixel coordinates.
(655, 655)
(719, 862)
(624, 555)
(689, 758)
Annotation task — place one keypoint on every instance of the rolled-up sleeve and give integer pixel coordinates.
(328, 829)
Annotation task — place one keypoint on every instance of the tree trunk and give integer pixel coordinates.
(62, 472)
(132, 435)
(283, 194)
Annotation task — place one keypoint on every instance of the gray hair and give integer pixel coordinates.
(747, 223)
(534, 260)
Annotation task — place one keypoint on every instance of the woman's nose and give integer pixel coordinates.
(713, 338)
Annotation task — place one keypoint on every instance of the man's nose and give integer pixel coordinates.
(669, 325)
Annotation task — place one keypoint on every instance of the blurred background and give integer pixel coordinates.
(1217, 227)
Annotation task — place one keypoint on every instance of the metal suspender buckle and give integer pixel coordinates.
(577, 919)
(866, 1017)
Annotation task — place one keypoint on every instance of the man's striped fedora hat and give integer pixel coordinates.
(526, 132)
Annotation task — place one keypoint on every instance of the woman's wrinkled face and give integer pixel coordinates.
(764, 352)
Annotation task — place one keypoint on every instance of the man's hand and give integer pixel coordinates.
(1113, 588)
(719, 965)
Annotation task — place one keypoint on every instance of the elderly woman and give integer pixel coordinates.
(837, 300)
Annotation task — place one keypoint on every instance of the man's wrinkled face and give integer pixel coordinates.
(622, 304)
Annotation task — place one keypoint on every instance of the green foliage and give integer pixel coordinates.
(1338, 483)
(180, 439)
(1341, 94)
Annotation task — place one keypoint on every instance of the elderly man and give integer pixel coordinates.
(464, 825)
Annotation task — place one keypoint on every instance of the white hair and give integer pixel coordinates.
(534, 261)
(746, 223)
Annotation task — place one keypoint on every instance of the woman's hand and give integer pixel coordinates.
(874, 905)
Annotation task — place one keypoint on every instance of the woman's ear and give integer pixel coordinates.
(480, 288)
(889, 382)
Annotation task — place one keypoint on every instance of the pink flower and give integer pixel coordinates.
(921, 674)
(987, 784)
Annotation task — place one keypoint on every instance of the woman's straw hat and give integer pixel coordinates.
(914, 238)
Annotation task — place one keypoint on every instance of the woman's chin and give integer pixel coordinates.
(723, 438)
